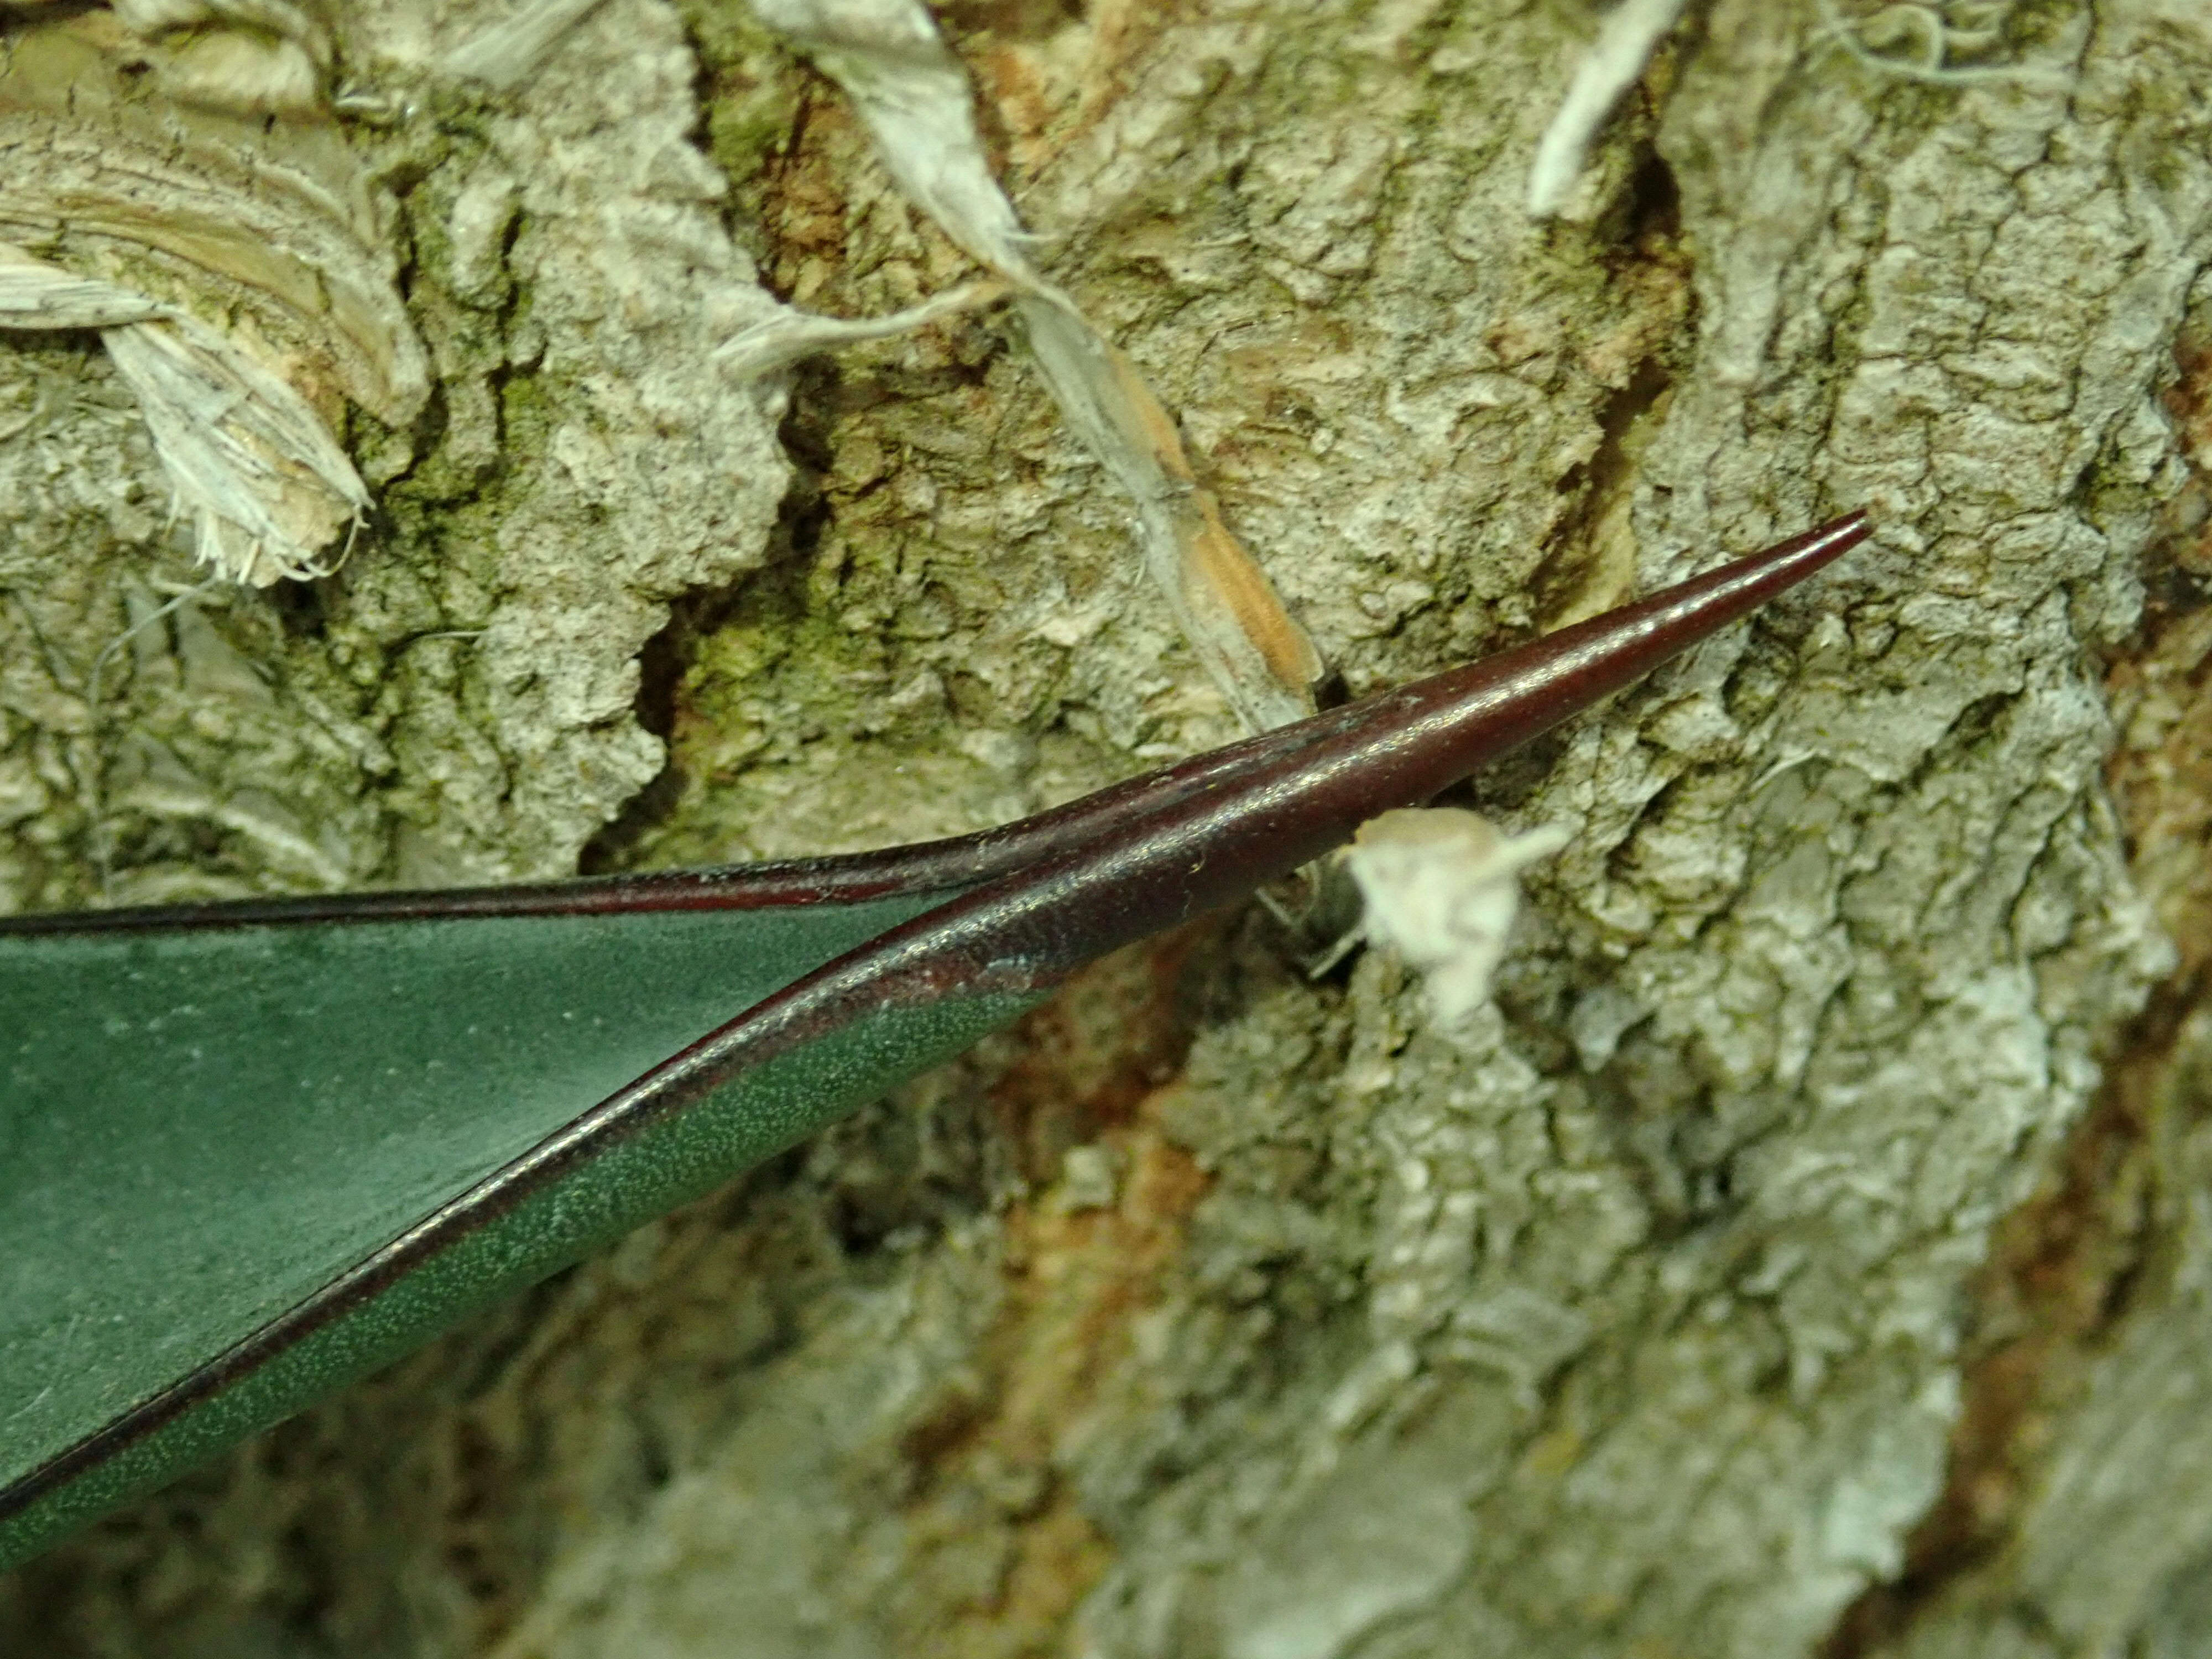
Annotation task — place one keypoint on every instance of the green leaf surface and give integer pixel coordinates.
(200, 1127)
(250, 1152)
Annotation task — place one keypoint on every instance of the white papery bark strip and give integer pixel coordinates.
(265, 487)
(782, 340)
(914, 95)
(1631, 33)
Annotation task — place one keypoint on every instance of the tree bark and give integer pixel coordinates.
(1804, 1255)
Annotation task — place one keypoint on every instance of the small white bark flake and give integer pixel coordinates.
(1440, 886)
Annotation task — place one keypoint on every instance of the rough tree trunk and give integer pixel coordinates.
(1807, 1254)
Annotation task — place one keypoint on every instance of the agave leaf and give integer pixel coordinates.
(249, 1151)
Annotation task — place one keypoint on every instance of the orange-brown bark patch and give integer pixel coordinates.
(1000, 1552)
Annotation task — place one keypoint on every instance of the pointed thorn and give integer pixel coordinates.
(1261, 808)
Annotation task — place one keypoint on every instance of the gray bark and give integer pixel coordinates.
(1806, 1246)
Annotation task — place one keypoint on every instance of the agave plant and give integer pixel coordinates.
(249, 1151)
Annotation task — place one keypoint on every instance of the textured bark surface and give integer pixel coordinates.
(1777, 1268)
